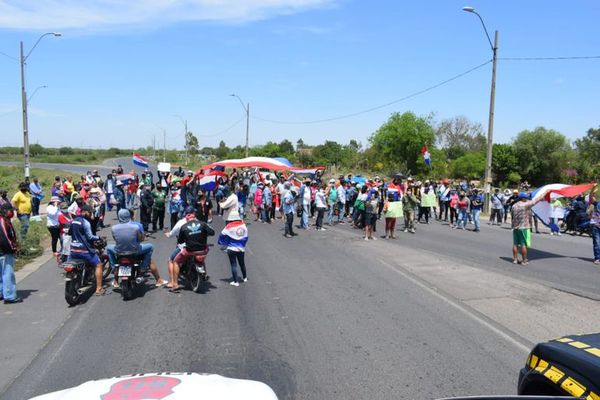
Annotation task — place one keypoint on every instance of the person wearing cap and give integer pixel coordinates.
(267, 198)
(234, 238)
(158, 207)
(512, 199)
(521, 216)
(331, 194)
(174, 232)
(21, 201)
(305, 202)
(498, 200)
(52, 223)
(8, 248)
(82, 247)
(476, 205)
(109, 189)
(193, 236)
(37, 194)
(119, 195)
(289, 203)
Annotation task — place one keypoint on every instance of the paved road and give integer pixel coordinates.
(322, 316)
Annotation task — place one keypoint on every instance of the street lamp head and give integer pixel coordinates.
(469, 9)
(57, 34)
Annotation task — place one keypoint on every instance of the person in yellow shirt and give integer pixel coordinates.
(22, 202)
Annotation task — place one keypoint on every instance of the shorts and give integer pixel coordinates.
(522, 237)
(175, 253)
(370, 219)
(183, 256)
(89, 258)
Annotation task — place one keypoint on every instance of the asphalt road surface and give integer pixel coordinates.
(323, 316)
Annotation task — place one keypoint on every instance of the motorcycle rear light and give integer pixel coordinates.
(69, 268)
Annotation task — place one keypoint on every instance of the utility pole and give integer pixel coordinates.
(25, 124)
(490, 138)
(187, 161)
(154, 148)
(164, 145)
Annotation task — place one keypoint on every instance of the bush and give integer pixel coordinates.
(32, 246)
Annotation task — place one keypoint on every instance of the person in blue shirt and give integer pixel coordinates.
(289, 202)
(82, 244)
(476, 205)
(36, 196)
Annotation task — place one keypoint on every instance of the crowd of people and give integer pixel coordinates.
(76, 211)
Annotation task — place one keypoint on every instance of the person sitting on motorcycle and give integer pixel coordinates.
(128, 237)
(82, 247)
(192, 237)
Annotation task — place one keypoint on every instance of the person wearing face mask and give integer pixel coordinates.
(82, 247)
(8, 248)
(321, 206)
(21, 201)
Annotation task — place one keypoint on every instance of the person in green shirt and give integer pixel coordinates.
(158, 208)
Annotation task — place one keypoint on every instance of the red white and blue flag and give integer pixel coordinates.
(234, 235)
(544, 209)
(426, 155)
(140, 161)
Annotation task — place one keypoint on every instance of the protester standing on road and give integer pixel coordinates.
(146, 203)
(229, 205)
(109, 189)
(267, 197)
(321, 206)
(21, 201)
(498, 201)
(595, 223)
(37, 194)
(288, 209)
(52, 223)
(371, 215)
(8, 248)
(235, 237)
(476, 204)
(520, 214)
(409, 202)
(158, 208)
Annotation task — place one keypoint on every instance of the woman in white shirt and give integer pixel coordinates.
(321, 206)
(52, 223)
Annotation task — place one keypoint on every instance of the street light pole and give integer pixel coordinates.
(247, 109)
(22, 60)
(490, 136)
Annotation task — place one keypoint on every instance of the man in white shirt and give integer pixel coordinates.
(341, 201)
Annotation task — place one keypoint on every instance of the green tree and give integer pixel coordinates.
(221, 151)
(504, 162)
(459, 136)
(398, 142)
(286, 148)
(191, 144)
(328, 153)
(543, 154)
(588, 154)
(471, 166)
(36, 149)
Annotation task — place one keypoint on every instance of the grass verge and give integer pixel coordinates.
(10, 177)
(33, 246)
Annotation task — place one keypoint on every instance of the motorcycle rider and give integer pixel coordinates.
(192, 236)
(128, 240)
(82, 247)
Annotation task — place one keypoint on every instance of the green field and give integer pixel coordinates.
(10, 177)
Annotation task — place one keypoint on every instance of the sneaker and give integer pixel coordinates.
(322, 229)
(558, 234)
(405, 230)
(13, 301)
(287, 236)
(373, 238)
(245, 279)
(234, 283)
(412, 231)
(366, 238)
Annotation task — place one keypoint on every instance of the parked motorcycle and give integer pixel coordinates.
(576, 224)
(129, 274)
(193, 271)
(80, 276)
(63, 258)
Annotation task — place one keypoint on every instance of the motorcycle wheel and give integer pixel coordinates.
(106, 268)
(195, 279)
(71, 287)
(127, 289)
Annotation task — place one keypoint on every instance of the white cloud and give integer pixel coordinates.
(98, 14)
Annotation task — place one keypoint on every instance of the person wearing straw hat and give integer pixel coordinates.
(52, 222)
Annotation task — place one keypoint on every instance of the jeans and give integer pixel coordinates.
(236, 257)
(596, 241)
(289, 220)
(320, 213)
(24, 219)
(305, 212)
(8, 285)
(476, 221)
(131, 200)
(266, 214)
(340, 207)
(108, 205)
(35, 206)
(146, 253)
(462, 218)
(330, 214)
(554, 225)
(496, 215)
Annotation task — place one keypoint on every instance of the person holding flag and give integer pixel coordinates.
(235, 237)
(140, 161)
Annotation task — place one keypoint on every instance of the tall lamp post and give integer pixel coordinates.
(185, 127)
(23, 59)
(490, 138)
(247, 109)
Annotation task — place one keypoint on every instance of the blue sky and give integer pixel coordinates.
(123, 70)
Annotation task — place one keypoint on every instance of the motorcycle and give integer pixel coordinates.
(63, 258)
(129, 274)
(576, 224)
(80, 276)
(193, 271)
